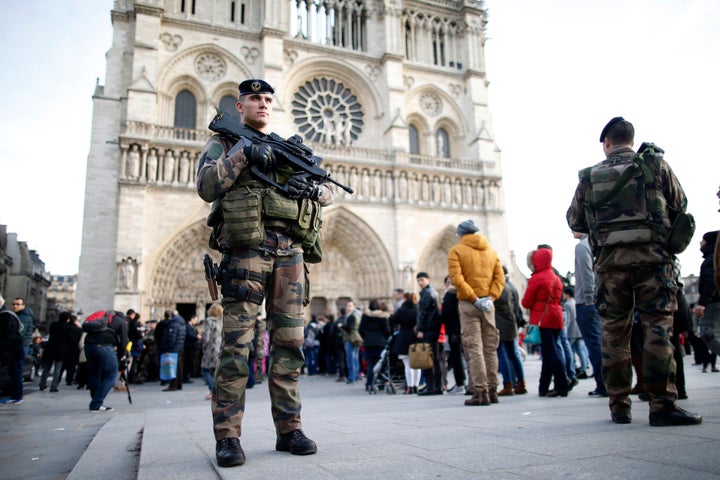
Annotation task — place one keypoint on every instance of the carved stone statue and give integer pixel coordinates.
(152, 165)
(133, 163)
(184, 167)
(168, 166)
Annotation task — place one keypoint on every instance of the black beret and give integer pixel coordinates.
(255, 85)
(608, 126)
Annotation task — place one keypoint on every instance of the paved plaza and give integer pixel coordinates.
(168, 435)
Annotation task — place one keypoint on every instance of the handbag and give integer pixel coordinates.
(421, 356)
(532, 335)
(168, 366)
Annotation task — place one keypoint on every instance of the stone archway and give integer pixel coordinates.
(434, 257)
(355, 263)
(178, 276)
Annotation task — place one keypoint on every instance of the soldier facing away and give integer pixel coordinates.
(625, 217)
(256, 228)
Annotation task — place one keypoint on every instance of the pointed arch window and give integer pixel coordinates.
(185, 110)
(228, 104)
(414, 140)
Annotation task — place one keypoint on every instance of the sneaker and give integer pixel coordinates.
(229, 453)
(11, 401)
(296, 443)
(457, 390)
(674, 417)
(103, 408)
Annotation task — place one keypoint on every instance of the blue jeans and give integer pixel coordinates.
(579, 348)
(311, 359)
(567, 353)
(506, 370)
(509, 362)
(590, 327)
(102, 367)
(553, 365)
(352, 354)
(208, 375)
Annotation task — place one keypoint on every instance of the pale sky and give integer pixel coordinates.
(558, 71)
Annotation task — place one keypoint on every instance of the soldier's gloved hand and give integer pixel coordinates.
(260, 155)
(484, 303)
(300, 187)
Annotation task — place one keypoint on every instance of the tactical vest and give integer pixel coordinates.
(251, 206)
(627, 206)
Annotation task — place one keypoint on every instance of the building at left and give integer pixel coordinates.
(23, 275)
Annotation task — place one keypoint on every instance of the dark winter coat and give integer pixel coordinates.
(57, 342)
(450, 314)
(706, 283)
(116, 335)
(11, 338)
(505, 320)
(173, 340)
(428, 317)
(375, 328)
(406, 319)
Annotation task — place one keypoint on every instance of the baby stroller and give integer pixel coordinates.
(388, 376)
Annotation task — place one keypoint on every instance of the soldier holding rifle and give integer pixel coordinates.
(266, 218)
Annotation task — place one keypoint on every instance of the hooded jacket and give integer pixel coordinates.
(475, 268)
(544, 290)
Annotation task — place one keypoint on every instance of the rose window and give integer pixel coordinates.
(327, 112)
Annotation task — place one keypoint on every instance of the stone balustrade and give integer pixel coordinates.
(167, 156)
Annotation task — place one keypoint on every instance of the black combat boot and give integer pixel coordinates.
(296, 443)
(229, 453)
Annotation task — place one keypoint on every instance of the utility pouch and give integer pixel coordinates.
(681, 233)
(242, 210)
(277, 205)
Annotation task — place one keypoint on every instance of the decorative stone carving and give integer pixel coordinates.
(373, 72)
(171, 42)
(289, 56)
(126, 275)
(250, 54)
(431, 104)
(210, 67)
(455, 89)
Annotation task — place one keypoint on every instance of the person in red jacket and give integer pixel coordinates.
(542, 298)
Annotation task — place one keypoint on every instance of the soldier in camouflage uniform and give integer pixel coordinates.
(635, 268)
(263, 260)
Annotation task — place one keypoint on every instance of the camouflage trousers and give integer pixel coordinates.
(285, 293)
(651, 292)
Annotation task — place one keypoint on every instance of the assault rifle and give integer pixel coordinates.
(292, 151)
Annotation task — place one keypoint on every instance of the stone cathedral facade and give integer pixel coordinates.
(392, 94)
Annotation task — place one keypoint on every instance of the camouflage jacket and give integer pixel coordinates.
(217, 174)
(627, 256)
